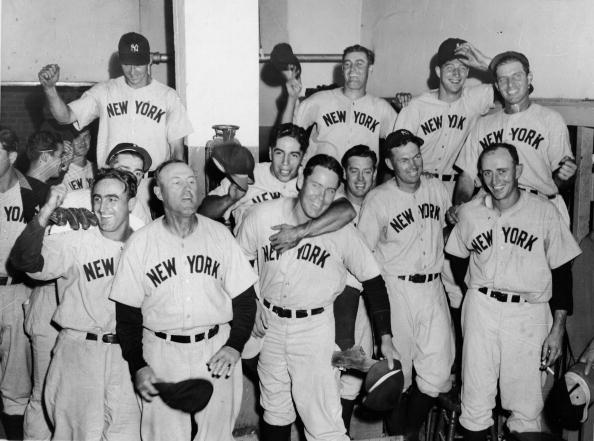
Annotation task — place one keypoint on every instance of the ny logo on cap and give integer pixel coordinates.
(133, 48)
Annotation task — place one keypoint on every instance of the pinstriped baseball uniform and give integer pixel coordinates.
(77, 178)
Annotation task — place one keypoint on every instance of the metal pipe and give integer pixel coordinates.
(311, 58)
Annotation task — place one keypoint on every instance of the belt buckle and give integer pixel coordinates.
(109, 338)
(417, 278)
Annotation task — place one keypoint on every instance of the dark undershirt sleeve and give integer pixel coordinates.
(244, 315)
(562, 297)
(129, 331)
(379, 304)
(26, 251)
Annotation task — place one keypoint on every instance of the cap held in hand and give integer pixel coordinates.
(189, 396)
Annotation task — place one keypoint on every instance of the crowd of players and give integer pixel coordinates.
(93, 319)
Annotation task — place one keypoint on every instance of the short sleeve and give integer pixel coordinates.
(468, 158)
(357, 256)
(247, 234)
(127, 285)
(408, 118)
(57, 255)
(178, 123)
(561, 247)
(481, 98)
(238, 274)
(370, 222)
(88, 107)
(455, 244)
(305, 113)
(559, 146)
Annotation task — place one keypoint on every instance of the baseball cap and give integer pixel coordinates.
(569, 399)
(236, 162)
(447, 50)
(383, 386)
(401, 137)
(134, 49)
(128, 147)
(282, 55)
(508, 55)
(189, 396)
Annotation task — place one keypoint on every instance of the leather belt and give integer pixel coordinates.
(7, 281)
(536, 192)
(290, 313)
(420, 278)
(189, 338)
(105, 338)
(502, 296)
(445, 178)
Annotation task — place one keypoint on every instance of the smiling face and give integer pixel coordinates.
(81, 143)
(407, 164)
(513, 82)
(500, 175)
(360, 175)
(129, 162)
(452, 76)
(111, 206)
(136, 76)
(356, 69)
(285, 158)
(178, 189)
(319, 189)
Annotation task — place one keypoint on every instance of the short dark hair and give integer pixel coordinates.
(9, 140)
(358, 48)
(39, 142)
(161, 166)
(508, 57)
(124, 176)
(360, 150)
(496, 146)
(293, 131)
(325, 161)
(126, 152)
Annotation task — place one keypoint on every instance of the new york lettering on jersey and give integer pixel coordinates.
(99, 268)
(360, 118)
(406, 217)
(511, 235)
(143, 108)
(266, 196)
(195, 264)
(517, 134)
(15, 214)
(80, 183)
(436, 123)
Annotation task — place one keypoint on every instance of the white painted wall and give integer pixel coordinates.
(556, 35)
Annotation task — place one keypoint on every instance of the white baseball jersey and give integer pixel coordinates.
(343, 122)
(266, 187)
(151, 117)
(77, 178)
(406, 229)
(513, 251)
(84, 262)
(182, 284)
(443, 126)
(12, 223)
(539, 134)
(313, 273)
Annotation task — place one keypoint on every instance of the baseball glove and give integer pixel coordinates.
(189, 396)
(75, 217)
(353, 358)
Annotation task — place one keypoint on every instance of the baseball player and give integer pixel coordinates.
(180, 282)
(403, 222)
(46, 156)
(20, 199)
(345, 116)
(274, 179)
(80, 171)
(297, 288)
(42, 304)
(359, 164)
(539, 134)
(88, 393)
(520, 254)
(131, 108)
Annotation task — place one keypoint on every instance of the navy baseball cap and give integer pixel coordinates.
(383, 386)
(236, 162)
(401, 137)
(447, 50)
(134, 49)
(282, 55)
(128, 147)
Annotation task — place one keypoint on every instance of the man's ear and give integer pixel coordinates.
(12, 157)
(519, 170)
(157, 191)
(389, 164)
(438, 71)
(131, 204)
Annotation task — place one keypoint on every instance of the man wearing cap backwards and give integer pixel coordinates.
(43, 302)
(345, 116)
(539, 134)
(88, 393)
(269, 180)
(295, 316)
(520, 254)
(185, 308)
(403, 222)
